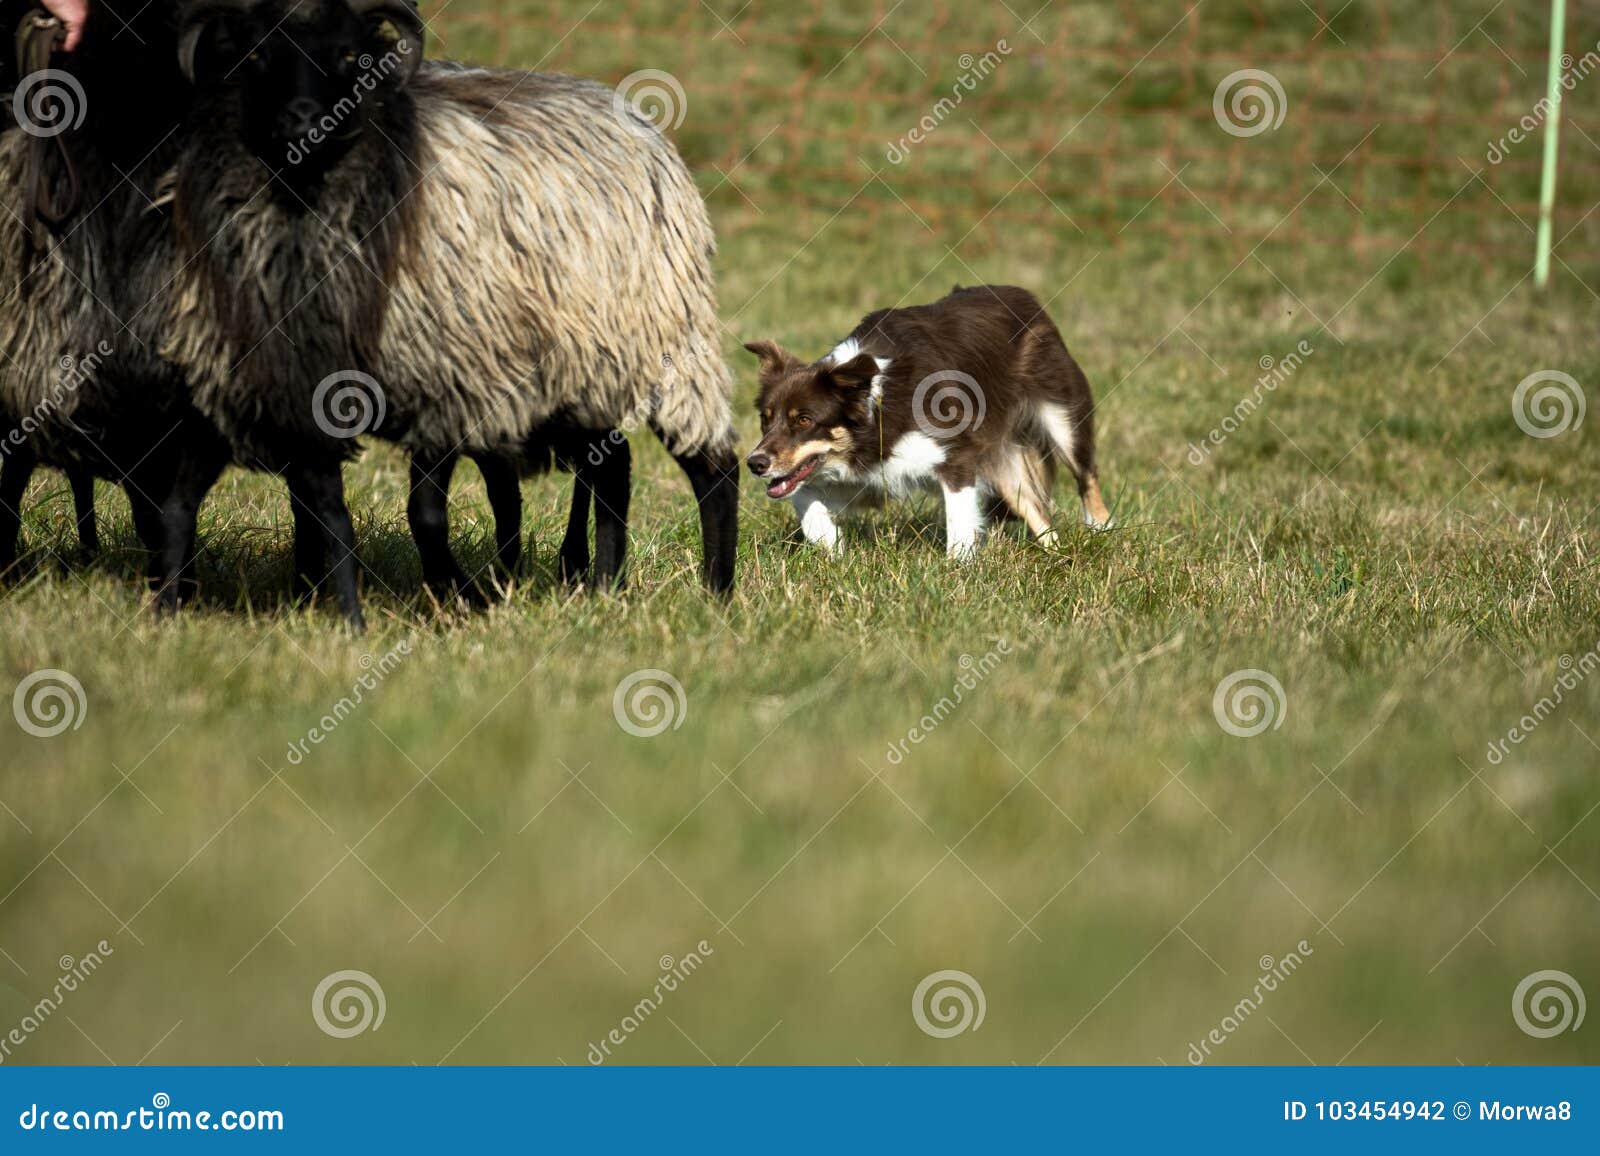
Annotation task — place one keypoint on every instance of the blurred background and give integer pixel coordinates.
(1096, 123)
(1392, 547)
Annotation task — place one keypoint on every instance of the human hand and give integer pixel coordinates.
(74, 14)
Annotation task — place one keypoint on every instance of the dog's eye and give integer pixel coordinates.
(802, 421)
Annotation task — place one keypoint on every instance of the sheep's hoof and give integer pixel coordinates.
(165, 605)
(573, 570)
(458, 591)
(614, 583)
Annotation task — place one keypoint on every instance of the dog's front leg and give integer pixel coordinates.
(963, 519)
(816, 510)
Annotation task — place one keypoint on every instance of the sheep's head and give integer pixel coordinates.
(305, 74)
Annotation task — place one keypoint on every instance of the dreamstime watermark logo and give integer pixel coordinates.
(1548, 404)
(1275, 372)
(49, 102)
(376, 671)
(1548, 1003)
(1249, 102)
(648, 703)
(1573, 672)
(49, 703)
(373, 73)
(973, 70)
(160, 1116)
(1572, 71)
(348, 404)
(674, 973)
(73, 973)
(348, 1003)
(75, 371)
(651, 101)
(973, 672)
(948, 404)
(1273, 973)
(607, 444)
(1248, 703)
(676, 372)
(948, 1003)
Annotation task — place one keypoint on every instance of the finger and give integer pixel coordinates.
(74, 25)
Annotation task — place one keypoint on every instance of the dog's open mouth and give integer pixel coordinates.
(789, 483)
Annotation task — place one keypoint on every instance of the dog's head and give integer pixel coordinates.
(810, 415)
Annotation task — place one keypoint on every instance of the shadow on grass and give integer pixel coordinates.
(253, 570)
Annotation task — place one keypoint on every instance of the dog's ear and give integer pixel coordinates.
(774, 358)
(854, 374)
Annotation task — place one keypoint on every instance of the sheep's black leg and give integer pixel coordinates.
(310, 540)
(501, 479)
(14, 478)
(147, 487)
(610, 481)
(429, 513)
(172, 569)
(83, 504)
(573, 565)
(321, 488)
(146, 516)
(715, 478)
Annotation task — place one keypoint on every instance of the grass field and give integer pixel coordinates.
(1080, 835)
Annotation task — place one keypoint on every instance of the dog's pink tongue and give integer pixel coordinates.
(783, 487)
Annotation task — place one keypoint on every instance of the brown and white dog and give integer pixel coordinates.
(975, 395)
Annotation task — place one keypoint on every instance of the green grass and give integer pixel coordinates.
(1080, 834)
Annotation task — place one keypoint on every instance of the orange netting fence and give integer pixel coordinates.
(1318, 128)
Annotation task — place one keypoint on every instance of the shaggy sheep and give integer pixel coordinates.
(82, 387)
(503, 252)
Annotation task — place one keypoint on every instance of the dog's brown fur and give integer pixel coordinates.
(977, 389)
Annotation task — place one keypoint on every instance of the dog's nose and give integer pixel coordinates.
(759, 463)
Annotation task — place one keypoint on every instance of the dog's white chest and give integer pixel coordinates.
(909, 466)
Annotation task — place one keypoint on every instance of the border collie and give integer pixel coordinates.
(975, 395)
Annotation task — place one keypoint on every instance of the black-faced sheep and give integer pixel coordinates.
(505, 253)
(86, 252)
(82, 387)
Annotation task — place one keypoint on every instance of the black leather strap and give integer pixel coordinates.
(39, 37)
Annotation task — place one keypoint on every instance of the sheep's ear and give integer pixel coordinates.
(774, 358)
(204, 39)
(854, 374)
(398, 27)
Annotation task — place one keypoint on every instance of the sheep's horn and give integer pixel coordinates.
(402, 12)
(406, 17)
(194, 26)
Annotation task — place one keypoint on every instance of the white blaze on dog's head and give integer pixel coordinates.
(810, 414)
(847, 351)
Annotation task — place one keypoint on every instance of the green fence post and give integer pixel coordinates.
(1552, 143)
